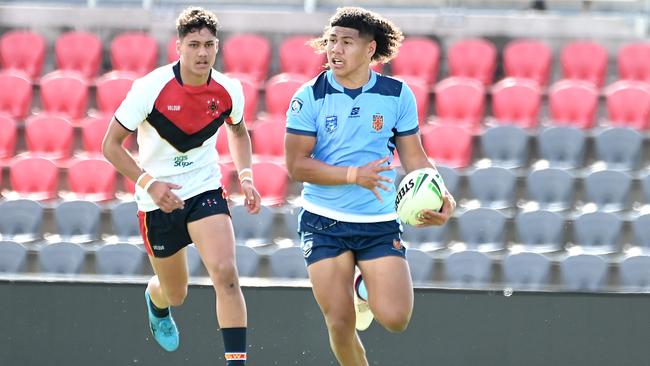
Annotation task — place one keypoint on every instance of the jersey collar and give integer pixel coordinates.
(352, 92)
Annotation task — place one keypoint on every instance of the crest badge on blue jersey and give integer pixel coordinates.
(296, 106)
(330, 124)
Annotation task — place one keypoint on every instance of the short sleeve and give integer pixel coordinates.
(135, 107)
(238, 101)
(407, 119)
(301, 115)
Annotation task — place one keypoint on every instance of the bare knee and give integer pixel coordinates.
(340, 325)
(394, 321)
(224, 275)
(176, 297)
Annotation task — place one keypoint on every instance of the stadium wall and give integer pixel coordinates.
(75, 322)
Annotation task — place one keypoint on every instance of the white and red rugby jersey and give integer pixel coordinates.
(177, 127)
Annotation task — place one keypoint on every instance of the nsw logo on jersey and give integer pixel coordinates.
(295, 106)
(331, 124)
(377, 122)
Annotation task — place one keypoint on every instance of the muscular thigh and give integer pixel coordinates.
(171, 271)
(331, 280)
(388, 281)
(214, 239)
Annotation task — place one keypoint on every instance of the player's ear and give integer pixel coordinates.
(178, 46)
(216, 44)
(372, 47)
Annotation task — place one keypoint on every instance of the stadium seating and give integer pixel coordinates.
(426, 238)
(473, 58)
(609, 190)
(247, 261)
(252, 230)
(23, 50)
(641, 232)
(93, 130)
(628, 104)
(631, 61)
(78, 221)
(448, 145)
(583, 272)
(288, 263)
(290, 223)
(420, 264)
(8, 129)
(273, 185)
(194, 262)
(468, 268)
(251, 97)
(136, 52)
(482, 229)
(421, 93)
(584, 60)
(297, 57)
(528, 58)
(16, 94)
(526, 271)
(268, 140)
(505, 146)
(79, 51)
(247, 54)
(64, 93)
(460, 101)
(124, 220)
(119, 259)
(418, 58)
(516, 101)
(112, 88)
(170, 48)
(62, 258)
(13, 257)
(597, 232)
(21, 220)
(279, 91)
(34, 177)
(619, 148)
(493, 187)
(539, 231)
(99, 186)
(635, 272)
(551, 189)
(562, 146)
(451, 177)
(49, 137)
(573, 103)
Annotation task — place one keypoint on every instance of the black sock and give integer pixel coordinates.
(234, 342)
(158, 312)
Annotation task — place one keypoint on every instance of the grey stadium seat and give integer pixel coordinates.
(13, 257)
(598, 232)
(640, 227)
(635, 272)
(583, 272)
(21, 220)
(78, 221)
(526, 270)
(421, 265)
(482, 229)
(247, 261)
(506, 146)
(290, 222)
(62, 257)
(124, 218)
(562, 146)
(608, 189)
(451, 177)
(426, 238)
(619, 148)
(252, 230)
(539, 231)
(119, 259)
(194, 261)
(552, 189)
(468, 268)
(288, 263)
(493, 187)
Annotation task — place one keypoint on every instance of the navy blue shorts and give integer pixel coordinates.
(166, 233)
(322, 237)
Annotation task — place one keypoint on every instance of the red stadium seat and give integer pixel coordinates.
(460, 101)
(15, 94)
(93, 130)
(297, 57)
(172, 54)
(421, 92)
(34, 177)
(23, 50)
(98, 186)
(268, 140)
(64, 93)
(573, 102)
(134, 51)
(49, 137)
(251, 96)
(79, 51)
(418, 57)
(516, 101)
(247, 54)
(112, 88)
(529, 59)
(628, 104)
(7, 137)
(279, 91)
(271, 182)
(474, 58)
(448, 145)
(584, 60)
(632, 61)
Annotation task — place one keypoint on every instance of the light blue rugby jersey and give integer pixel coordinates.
(352, 128)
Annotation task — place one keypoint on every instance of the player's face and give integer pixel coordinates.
(348, 54)
(198, 51)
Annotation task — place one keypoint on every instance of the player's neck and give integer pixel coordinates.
(193, 79)
(355, 79)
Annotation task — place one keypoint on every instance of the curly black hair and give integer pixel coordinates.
(369, 24)
(194, 19)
